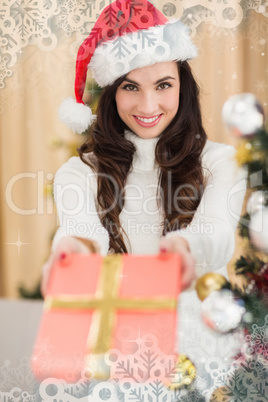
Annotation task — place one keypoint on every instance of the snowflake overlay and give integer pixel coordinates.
(141, 376)
(145, 376)
(41, 22)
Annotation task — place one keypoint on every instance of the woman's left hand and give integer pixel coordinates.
(177, 244)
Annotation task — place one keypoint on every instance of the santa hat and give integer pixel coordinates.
(128, 34)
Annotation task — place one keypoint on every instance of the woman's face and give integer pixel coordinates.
(148, 98)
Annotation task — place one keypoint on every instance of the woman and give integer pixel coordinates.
(147, 180)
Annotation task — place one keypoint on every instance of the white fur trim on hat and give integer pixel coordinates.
(75, 115)
(161, 43)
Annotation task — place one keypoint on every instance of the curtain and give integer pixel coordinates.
(38, 48)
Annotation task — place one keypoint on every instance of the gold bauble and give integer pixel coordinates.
(184, 373)
(248, 152)
(244, 153)
(208, 283)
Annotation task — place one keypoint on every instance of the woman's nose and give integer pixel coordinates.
(147, 105)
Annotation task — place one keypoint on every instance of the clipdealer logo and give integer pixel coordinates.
(38, 180)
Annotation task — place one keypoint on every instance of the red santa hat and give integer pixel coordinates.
(128, 34)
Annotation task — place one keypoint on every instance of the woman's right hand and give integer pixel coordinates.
(177, 244)
(66, 245)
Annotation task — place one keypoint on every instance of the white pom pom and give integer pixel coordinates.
(75, 115)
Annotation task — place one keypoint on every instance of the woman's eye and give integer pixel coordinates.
(130, 87)
(164, 85)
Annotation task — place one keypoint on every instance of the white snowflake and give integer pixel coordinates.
(25, 22)
(258, 339)
(20, 377)
(33, 22)
(4, 70)
(261, 86)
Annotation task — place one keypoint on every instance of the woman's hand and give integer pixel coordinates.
(177, 244)
(66, 245)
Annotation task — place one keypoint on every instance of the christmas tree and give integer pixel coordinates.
(227, 307)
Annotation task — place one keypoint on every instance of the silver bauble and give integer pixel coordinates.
(256, 202)
(258, 229)
(221, 311)
(243, 114)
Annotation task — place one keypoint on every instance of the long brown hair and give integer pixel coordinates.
(178, 154)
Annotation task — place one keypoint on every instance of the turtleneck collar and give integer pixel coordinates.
(144, 157)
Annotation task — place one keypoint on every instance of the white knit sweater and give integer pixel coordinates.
(211, 232)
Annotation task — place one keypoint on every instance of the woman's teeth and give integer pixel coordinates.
(145, 120)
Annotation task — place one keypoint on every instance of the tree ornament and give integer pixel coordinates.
(243, 114)
(257, 201)
(258, 229)
(243, 153)
(184, 373)
(248, 152)
(208, 283)
(222, 312)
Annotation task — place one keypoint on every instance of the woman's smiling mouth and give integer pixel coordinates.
(148, 121)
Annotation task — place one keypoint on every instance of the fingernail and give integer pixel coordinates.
(62, 256)
(163, 250)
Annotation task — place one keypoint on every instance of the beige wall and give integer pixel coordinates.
(230, 61)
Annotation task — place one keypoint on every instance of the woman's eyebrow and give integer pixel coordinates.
(131, 81)
(164, 79)
(155, 83)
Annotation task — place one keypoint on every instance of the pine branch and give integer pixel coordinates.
(248, 264)
(256, 306)
(243, 265)
(243, 226)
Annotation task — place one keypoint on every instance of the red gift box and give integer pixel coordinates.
(96, 303)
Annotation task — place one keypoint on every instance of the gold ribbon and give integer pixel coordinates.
(106, 302)
(85, 302)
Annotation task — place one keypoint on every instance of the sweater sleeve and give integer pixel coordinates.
(211, 234)
(75, 201)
